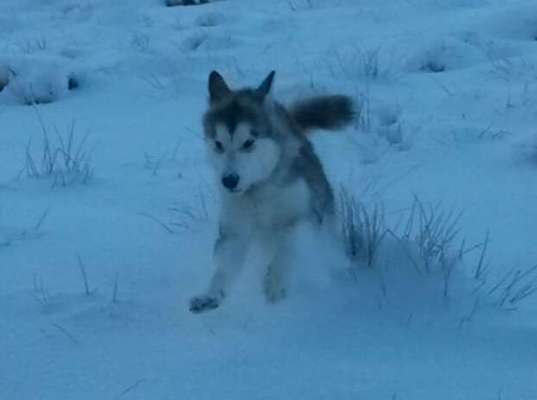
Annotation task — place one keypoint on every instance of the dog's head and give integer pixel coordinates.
(239, 134)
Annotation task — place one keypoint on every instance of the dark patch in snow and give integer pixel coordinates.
(173, 3)
(73, 83)
(4, 77)
(433, 66)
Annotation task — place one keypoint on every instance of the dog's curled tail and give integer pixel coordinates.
(323, 112)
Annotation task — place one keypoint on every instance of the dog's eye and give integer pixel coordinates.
(248, 145)
(218, 146)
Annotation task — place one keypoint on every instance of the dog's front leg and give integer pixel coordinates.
(229, 254)
(274, 280)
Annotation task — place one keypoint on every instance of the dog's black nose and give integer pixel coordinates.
(230, 181)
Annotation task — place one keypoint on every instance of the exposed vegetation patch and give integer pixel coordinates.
(63, 158)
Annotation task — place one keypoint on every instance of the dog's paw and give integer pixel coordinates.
(201, 304)
(273, 290)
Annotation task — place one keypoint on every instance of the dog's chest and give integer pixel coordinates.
(281, 205)
(275, 205)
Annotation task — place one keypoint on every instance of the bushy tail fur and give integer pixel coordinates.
(323, 112)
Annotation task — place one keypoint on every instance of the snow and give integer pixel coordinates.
(449, 92)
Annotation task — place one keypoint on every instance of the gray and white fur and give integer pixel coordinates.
(269, 177)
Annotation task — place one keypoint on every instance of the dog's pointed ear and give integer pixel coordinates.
(266, 85)
(218, 88)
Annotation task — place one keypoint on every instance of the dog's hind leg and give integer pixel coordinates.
(229, 252)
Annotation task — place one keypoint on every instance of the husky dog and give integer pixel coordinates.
(269, 177)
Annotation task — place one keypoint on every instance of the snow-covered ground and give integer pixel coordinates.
(97, 265)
